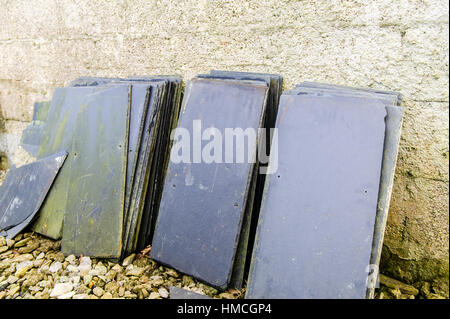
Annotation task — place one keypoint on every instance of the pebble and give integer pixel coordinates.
(98, 291)
(163, 292)
(36, 269)
(154, 295)
(135, 271)
(55, 267)
(71, 259)
(61, 289)
(29, 248)
(68, 295)
(22, 242)
(85, 266)
(127, 261)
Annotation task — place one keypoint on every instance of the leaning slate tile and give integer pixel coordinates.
(202, 206)
(139, 105)
(392, 137)
(23, 192)
(316, 225)
(93, 219)
(57, 136)
(394, 120)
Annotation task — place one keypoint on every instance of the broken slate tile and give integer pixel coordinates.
(24, 190)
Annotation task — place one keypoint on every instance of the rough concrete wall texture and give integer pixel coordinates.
(393, 45)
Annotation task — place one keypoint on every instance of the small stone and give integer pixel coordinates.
(121, 291)
(44, 284)
(20, 258)
(61, 289)
(80, 296)
(187, 280)
(22, 242)
(12, 279)
(71, 259)
(135, 271)
(40, 256)
(87, 279)
(12, 291)
(2, 241)
(117, 268)
(38, 263)
(29, 248)
(163, 292)
(98, 291)
(55, 267)
(85, 266)
(128, 294)
(23, 270)
(3, 249)
(99, 270)
(154, 295)
(63, 279)
(129, 260)
(172, 273)
(107, 296)
(157, 281)
(72, 269)
(67, 295)
(112, 287)
(395, 284)
(75, 280)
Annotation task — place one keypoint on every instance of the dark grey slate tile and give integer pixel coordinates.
(203, 205)
(314, 237)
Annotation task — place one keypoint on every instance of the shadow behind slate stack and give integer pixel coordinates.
(23, 192)
(316, 225)
(203, 205)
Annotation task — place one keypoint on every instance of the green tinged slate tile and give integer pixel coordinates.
(56, 137)
(98, 162)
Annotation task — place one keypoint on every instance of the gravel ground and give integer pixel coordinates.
(32, 266)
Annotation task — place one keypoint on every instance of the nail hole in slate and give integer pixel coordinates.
(174, 185)
(236, 205)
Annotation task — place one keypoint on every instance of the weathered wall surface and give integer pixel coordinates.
(394, 45)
